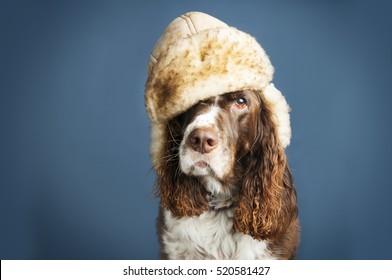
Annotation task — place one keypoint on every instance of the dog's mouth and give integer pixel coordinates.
(201, 168)
(202, 164)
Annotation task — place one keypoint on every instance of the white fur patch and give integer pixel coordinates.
(251, 249)
(212, 185)
(209, 236)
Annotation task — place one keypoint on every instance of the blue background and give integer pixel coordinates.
(75, 174)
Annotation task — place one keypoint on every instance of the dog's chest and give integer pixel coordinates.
(209, 236)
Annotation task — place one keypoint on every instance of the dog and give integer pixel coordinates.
(219, 129)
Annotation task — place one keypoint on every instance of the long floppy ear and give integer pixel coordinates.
(268, 202)
(183, 195)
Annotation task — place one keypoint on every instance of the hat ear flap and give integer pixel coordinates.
(280, 113)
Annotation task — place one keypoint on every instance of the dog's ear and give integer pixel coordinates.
(268, 203)
(183, 195)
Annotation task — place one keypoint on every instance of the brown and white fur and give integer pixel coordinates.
(225, 188)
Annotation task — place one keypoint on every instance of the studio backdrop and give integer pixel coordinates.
(76, 179)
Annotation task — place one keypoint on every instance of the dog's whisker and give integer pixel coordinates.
(171, 134)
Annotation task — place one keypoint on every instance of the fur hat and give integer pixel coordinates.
(198, 57)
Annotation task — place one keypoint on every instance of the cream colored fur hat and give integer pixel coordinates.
(198, 57)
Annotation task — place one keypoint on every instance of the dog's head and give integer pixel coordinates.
(210, 138)
(228, 146)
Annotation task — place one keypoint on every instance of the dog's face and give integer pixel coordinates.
(216, 132)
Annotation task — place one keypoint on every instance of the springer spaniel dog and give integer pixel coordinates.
(225, 186)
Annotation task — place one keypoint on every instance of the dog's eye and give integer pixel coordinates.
(240, 102)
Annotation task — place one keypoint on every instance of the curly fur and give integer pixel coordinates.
(268, 199)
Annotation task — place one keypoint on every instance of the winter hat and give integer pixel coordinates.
(198, 57)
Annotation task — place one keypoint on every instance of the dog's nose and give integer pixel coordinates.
(203, 140)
